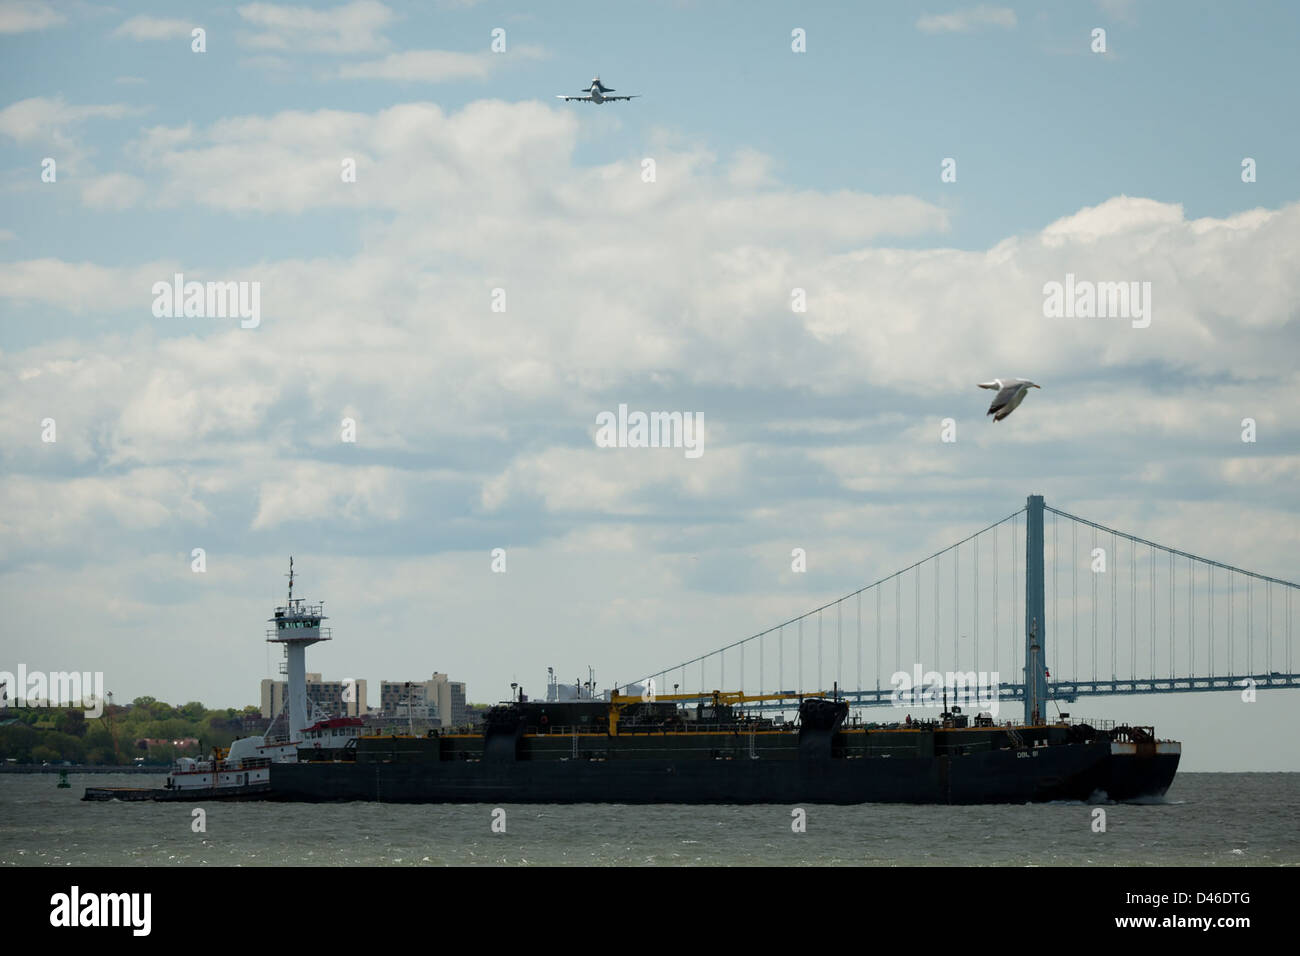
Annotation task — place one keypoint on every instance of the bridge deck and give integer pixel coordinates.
(1072, 690)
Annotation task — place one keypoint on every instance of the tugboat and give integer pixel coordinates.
(243, 772)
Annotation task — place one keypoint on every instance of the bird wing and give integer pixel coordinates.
(1005, 395)
(996, 383)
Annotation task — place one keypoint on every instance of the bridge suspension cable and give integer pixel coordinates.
(1197, 654)
(778, 631)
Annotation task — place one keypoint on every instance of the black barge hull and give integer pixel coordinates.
(1065, 772)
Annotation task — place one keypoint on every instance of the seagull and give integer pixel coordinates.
(1011, 392)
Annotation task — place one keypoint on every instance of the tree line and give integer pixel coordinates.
(37, 735)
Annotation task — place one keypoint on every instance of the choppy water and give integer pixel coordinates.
(1207, 819)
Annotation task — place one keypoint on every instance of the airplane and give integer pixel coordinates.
(596, 93)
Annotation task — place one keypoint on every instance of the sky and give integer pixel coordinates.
(774, 170)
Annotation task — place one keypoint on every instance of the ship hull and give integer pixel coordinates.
(1064, 772)
(1141, 771)
(255, 791)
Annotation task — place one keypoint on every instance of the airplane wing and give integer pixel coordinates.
(632, 97)
(561, 96)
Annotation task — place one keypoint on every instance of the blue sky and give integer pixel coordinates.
(1184, 91)
(775, 170)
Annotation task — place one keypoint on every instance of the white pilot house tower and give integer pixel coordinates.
(297, 625)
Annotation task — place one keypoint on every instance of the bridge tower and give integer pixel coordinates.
(1035, 675)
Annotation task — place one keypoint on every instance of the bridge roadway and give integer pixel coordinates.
(1071, 690)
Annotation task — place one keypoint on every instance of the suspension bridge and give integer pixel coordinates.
(1079, 610)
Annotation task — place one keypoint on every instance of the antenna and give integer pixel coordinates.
(290, 577)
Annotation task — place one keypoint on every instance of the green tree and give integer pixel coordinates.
(173, 727)
(193, 711)
(100, 756)
(68, 746)
(71, 722)
(149, 708)
(17, 741)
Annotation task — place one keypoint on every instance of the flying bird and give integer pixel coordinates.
(1011, 392)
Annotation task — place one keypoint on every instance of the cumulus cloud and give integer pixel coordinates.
(514, 160)
(314, 492)
(154, 28)
(51, 120)
(22, 16)
(967, 20)
(603, 480)
(76, 287)
(47, 515)
(113, 191)
(57, 126)
(422, 66)
(355, 27)
(1119, 9)
(1113, 218)
(475, 425)
(693, 273)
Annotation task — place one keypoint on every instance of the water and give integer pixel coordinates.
(1207, 819)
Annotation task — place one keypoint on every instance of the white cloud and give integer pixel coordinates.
(22, 16)
(1113, 218)
(1119, 9)
(964, 21)
(113, 191)
(422, 66)
(77, 287)
(510, 165)
(678, 274)
(614, 481)
(751, 169)
(155, 28)
(269, 63)
(43, 513)
(316, 492)
(474, 427)
(436, 66)
(355, 27)
(49, 120)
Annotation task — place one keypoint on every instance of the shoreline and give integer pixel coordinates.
(130, 768)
